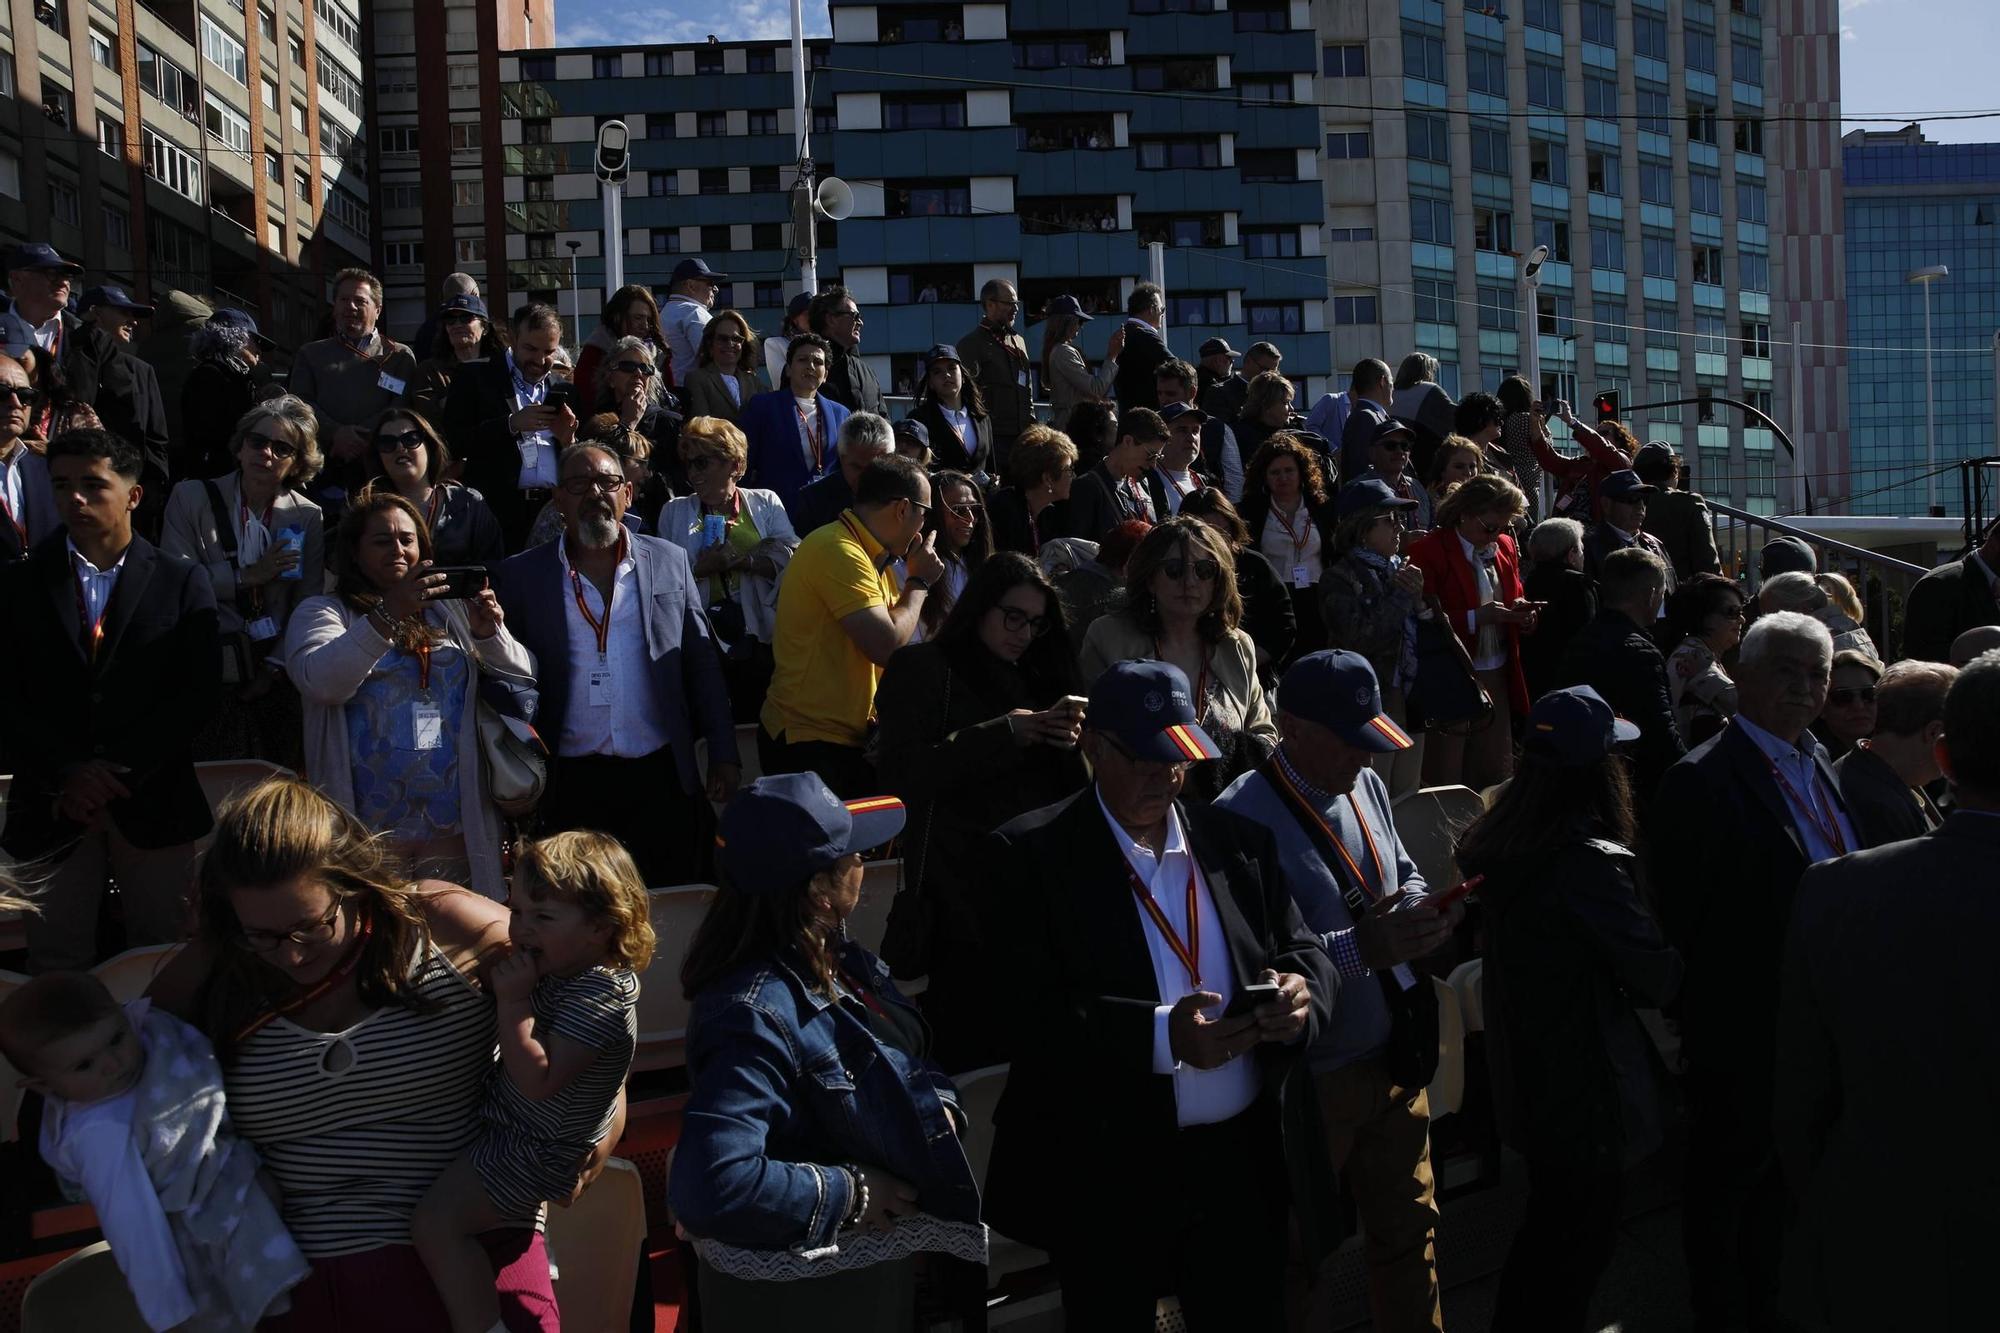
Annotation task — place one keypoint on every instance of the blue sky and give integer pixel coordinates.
(1897, 56)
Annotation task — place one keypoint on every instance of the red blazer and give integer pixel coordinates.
(1448, 577)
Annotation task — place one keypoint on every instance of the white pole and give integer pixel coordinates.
(1930, 415)
(1996, 393)
(575, 292)
(614, 236)
(1798, 422)
(1531, 339)
(1156, 267)
(806, 218)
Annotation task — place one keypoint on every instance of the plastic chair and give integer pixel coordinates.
(978, 1095)
(128, 974)
(1429, 821)
(12, 1094)
(594, 1247)
(869, 921)
(663, 1011)
(1467, 982)
(84, 1291)
(223, 778)
(1447, 1089)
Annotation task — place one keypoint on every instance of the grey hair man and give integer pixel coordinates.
(864, 437)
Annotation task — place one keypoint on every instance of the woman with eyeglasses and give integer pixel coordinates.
(724, 377)
(739, 541)
(1291, 522)
(978, 724)
(1849, 714)
(1034, 505)
(342, 996)
(630, 313)
(964, 541)
(1268, 617)
(631, 385)
(953, 412)
(1181, 606)
(389, 666)
(1705, 616)
(464, 334)
(408, 456)
(1371, 599)
(263, 546)
(1471, 566)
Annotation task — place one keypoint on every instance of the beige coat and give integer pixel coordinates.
(189, 531)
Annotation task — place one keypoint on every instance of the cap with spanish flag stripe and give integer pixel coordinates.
(1148, 708)
(1338, 690)
(781, 831)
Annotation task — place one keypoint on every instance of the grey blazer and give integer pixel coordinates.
(705, 394)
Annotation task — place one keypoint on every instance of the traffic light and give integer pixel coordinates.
(1606, 405)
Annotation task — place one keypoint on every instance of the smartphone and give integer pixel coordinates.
(563, 393)
(1249, 997)
(1442, 902)
(460, 581)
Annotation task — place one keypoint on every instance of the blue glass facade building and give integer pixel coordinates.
(1911, 205)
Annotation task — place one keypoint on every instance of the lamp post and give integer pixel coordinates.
(575, 292)
(1924, 277)
(1531, 281)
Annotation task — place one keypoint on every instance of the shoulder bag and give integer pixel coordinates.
(1446, 692)
(512, 755)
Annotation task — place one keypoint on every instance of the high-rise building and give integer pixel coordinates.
(1914, 205)
(173, 144)
(1678, 166)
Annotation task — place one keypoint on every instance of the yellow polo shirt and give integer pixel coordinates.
(824, 686)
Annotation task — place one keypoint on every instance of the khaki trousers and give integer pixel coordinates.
(153, 884)
(1378, 1138)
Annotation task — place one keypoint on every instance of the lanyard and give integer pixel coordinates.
(1828, 828)
(1189, 952)
(1277, 770)
(362, 356)
(18, 520)
(328, 982)
(93, 631)
(423, 652)
(434, 508)
(1200, 680)
(1142, 504)
(1298, 542)
(810, 428)
(601, 628)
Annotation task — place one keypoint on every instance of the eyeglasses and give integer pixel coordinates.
(703, 462)
(460, 317)
(853, 313)
(968, 512)
(604, 483)
(733, 339)
(921, 505)
(1175, 767)
(279, 448)
(25, 397)
(1395, 446)
(1015, 621)
(1204, 570)
(1733, 613)
(643, 369)
(1489, 527)
(411, 440)
(265, 941)
(1843, 698)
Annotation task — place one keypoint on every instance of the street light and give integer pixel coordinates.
(1531, 281)
(575, 292)
(1924, 277)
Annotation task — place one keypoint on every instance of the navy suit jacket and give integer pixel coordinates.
(38, 508)
(687, 668)
(770, 422)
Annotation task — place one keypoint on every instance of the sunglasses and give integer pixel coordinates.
(1015, 621)
(412, 440)
(604, 483)
(279, 448)
(703, 462)
(25, 397)
(460, 317)
(968, 512)
(1864, 695)
(1489, 527)
(1204, 570)
(643, 369)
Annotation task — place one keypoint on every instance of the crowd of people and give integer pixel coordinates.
(1134, 692)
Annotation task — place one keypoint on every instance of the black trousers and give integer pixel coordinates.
(640, 803)
(1206, 1224)
(843, 768)
(1732, 1207)
(1562, 1249)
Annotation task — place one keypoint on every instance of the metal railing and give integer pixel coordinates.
(1884, 582)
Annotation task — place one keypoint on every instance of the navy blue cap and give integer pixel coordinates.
(1338, 690)
(1066, 307)
(1173, 412)
(781, 831)
(941, 352)
(1148, 708)
(1216, 347)
(39, 254)
(1624, 484)
(1784, 555)
(469, 302)
(1654, 453)
(912, 435)
(1574, 727)
(1392, 426)
(117, 298)
(231, 317)
(1369, 493)
(797, 305)
(697, 268)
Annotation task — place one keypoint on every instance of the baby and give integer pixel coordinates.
(135, 1123)
(566, 994)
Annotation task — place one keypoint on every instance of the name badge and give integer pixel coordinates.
(1300, 577)
(261, 629)
(531, 451)
(426, 728)
(387, 381)
(1021, 378)
(600, 689)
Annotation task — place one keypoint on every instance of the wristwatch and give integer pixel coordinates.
(917, 581)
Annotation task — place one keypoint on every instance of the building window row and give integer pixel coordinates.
(224, 51)
(344, 25)
(171, 165)
(167, 81)
(345, 88)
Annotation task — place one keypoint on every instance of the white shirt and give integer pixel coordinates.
(1201, 1096)
(681, 325)
(1802, 782)
(626, 720)
(18, 330)
(538, 447)
(1490, 650)
(12, 491)
(1279, 542)
(811, 427)
(959, 420)
(98, 584)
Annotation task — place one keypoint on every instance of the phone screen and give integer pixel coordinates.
(461, 581)
(1249, 997)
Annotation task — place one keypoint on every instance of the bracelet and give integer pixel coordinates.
(859, 1184)
(916, 582)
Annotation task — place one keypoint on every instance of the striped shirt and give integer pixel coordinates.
(597, 1008)
(355, 1125)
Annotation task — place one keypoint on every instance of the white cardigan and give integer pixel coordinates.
(680, 523)
(329, 651)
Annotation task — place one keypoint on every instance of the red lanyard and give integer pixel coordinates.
(1382, 884)
(332, 979)
(602, 628)
(1200, 681)
(93, 631)
(1829, 828)
(1189, 952)
(1298, 542)
(435, 508)
(735, 509)
(423, 652)
(813, 442)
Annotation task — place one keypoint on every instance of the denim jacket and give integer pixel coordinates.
(788, 1088)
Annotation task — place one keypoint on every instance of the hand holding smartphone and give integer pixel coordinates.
(1249, 997)
(1457, 893)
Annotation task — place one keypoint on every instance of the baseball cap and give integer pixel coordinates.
(1389, 429)
(1148, 708)
(468, 302)
(1784, 555)
(117, 298)
(912, 436)
(1624, 484)
(1655, 457)
(1338, 690)
(1066, 307)
(1574, 727)
(697, 268)
(1216, 347)
(1173, 412)
(231, 317)
(940, 352)
(797, 305)
(39, 254)
(1369, 493)
(781, 831)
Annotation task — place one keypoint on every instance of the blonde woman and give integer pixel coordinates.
(724, 377)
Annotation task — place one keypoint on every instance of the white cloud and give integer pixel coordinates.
(607, 23)
(1846, 32)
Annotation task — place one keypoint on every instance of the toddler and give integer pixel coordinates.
(135, 1123)
(566, 994)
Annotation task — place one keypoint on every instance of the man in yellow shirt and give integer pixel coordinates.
(841, 613)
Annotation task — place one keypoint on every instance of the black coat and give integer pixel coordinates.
(1097, 503)
(1007, 511)
(475, 425)
(820, 503)
(217, 394)
(155, 682)
(851, 382)
(1945, 603)
(1082, 1102)
(1268, 615)
(946, 449)
(1139, 362)
(95, 368)
(1620, 661)
(1225, 397)
(1883, 807)
(1572, 604)
(1570, 952)
(1680, 519)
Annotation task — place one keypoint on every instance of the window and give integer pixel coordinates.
(1346, 61)
(1609, 317)
(1545, 85)
(299, 118)
(1555, 314)
(466, 136)
(226, 124)
(1050, 51)
(541, 245)
(171, 165)
(344, 87)
(1653, 110)
(709, 124)
(1656, 182)
(1555, 235)
(1498, 310)
(763, 180)
(1753, 271)
(1175, 76)
(397, 139)
(1429, 141)
(302, 186)
(537, 132)
(1174, 154)
(1607, 249)
(763, 122)
(117, 227)
(274, 168)
(1492, 229)
(1270, 242)
(1605, 174)
(56, 103)
(224, 51)
(1354, 310)
(661, 184)
(1489, 149)
(1746, 62)
(1749, 136)
(767, 236)
(167, 81)
(1548, 162)
(267, 23)
(667, 242)
(103, 50)
(1750, 202)
(1600, 97)
(1600, 23)
(1198, 308)
(921, 113)
(659, 65)
(1253, 89)
(461, 75)
(539, 189)
(660, 126)
(1423, 57)
(403, 254)
(1701, 123)
(607, 67)
(1269, 164)
(1485, 70)
(1658, 253)
(712, 180)
(409, 196)
(469, 250)
(270, 91)
(1705, 192)
(1649, 36)
(64, 205)
(1662, 328)
(1346, 145)
(1698, 46)
(1261, 15)
(1756, 338)
(1274, 317)
(825, 120)
(544, 67)
(343, 24)
(296, 46)
(708, 60)
(760, 61)
(920, 200)
(110, 136)
(1708, 264)
(346, 208)
(715, 238)
(1430, 220)
(1436, 300)
(468, 194)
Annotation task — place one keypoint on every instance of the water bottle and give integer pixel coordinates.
(293, 539)
(714, 530)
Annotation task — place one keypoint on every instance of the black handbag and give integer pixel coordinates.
(1446, 691)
